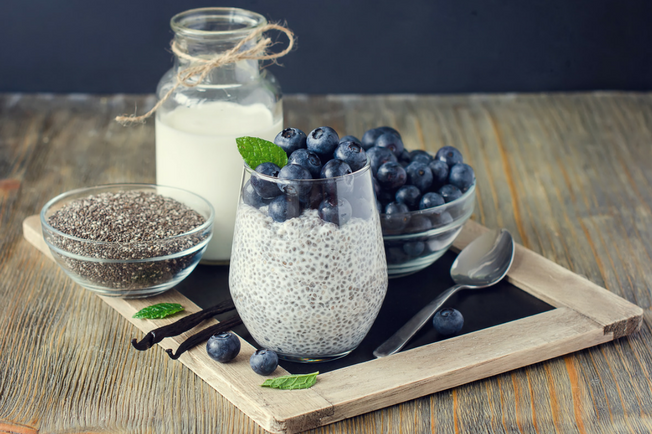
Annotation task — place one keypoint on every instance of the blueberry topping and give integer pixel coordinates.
(391, 175)
(291, 139)
(370, 136)
(431, 200)
(266, 189)
(223, 347)
(350, 138)
(338, 212)
(323, 141)
(352, 154)
(420, 155)
(461, 176)
(449, 155)
(306, 159)
(264, 362)
(419, 175)
(392, 142)
(379, 156)
(439, 171)
(250, 197)
(284, 208)
(335, 168)
(449, 192)
(409, 195)
(404, 157)
(294, 172)
(448, 321)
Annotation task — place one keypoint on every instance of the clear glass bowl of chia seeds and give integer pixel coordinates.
(127, 240)
(416, 239)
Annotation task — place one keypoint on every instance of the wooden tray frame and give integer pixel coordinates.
(585, 315)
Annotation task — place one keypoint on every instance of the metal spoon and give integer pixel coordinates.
(484, 262)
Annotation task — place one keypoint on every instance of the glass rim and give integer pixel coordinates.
(366, 168)
(252, 20)
(129, 187)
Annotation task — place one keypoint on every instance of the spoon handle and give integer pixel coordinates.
(405, 333)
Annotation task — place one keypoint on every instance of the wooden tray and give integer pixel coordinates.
(584, 315)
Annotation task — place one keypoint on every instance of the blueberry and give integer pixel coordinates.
(284, 208)
(223, 347)
(448, 321)
(323, 141)
(414, 248)
(396, 216)
(313, 199)
(409, 195)
(338, 212)
(422, 156)
(395, 255)
(352, 154)
(306, 159)
(391, 142)
(250, 197)
(264, 362)
(419, 175)
(419, 223)
(349, 138)
(379, 156)
(431, 200)
(266, 189)
(404, 157)
(449, 155)
(450, 193)
(370, 136)
(461, 176)
(439, 171)
(335, 168)
(294, 172)
(441, 219)
(391, 175)
(291, 139)
(386, 196)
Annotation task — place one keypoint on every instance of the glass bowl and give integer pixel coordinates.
(416, 239)
(131, 269)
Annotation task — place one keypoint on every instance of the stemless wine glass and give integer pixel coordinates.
(308, 273)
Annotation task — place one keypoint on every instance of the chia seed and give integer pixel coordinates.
(110, 228)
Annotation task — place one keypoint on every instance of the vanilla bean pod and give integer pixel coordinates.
(182, 325)
(203, 335)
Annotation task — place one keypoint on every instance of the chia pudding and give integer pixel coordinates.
(307, 288)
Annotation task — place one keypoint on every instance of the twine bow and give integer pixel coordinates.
(194, 75)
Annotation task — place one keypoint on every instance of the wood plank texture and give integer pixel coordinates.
(569, 175)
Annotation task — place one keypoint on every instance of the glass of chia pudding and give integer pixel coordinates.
(308, 273)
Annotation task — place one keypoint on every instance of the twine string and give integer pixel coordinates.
(194, 75)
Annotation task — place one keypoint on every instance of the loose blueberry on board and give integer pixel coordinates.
(323, 141)
(266, 189)
(461, 176)
(448, 321)
(409, 195)
(431, 200)
(379, 156)
(223, 347)
(391, 176)
(449, 155)
(307, 159)
(284, 208)
(450, 193)
(350, 138)
(392, 142)
(294, 172)
(250, 197)
(419, 175)
(352, 154)
(290, 139)
(338, 212)
(263, 362)
(439, 171)
(420, 155)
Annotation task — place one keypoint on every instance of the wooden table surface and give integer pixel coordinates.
(570, 175)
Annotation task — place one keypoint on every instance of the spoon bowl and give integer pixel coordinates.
(484, 262)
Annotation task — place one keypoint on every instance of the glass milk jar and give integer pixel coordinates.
(196, 127)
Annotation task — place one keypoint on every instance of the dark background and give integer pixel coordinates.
(381, 46)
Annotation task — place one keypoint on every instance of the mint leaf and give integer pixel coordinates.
(256, 151)
(292, 382)
(158, 311)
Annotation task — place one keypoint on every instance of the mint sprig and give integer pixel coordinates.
(292, 382)
(256, 151)
(158, 311)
